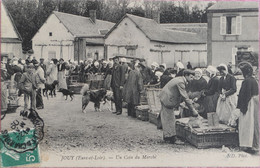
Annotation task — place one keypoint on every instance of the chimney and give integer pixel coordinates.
(93, 15)
(156, 16)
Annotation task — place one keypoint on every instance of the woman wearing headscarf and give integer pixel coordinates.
(227, 98)
(195, 89)
(108, 76)
(180, 68)
(211, 94)
(198, 83)
(52, 72)
(61, 74)
(248, 104)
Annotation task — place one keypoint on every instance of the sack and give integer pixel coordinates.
(225, 108)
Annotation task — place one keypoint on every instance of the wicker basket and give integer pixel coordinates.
(153, 99)
(96, 84)
(142, 112)
(209, 139)
(180, 129)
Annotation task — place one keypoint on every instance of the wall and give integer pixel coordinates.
(176, 53)
(12, 49)
(7, 29)
(127, 34)
(222, 48)
(60, 43)
(91, 50)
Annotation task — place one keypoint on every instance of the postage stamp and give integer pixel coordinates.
(19, 148)
(19, 143)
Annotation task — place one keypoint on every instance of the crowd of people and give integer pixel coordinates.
(181, 87)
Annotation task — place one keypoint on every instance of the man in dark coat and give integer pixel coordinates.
(117, 82)
(132, 89)
(171, 96)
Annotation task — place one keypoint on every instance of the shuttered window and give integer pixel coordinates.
(238, 25)
(230, 25)
(223, 25)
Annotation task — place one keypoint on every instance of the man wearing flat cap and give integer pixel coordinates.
(28, 85)
(40, 81)
(117, 83)
(172, 94)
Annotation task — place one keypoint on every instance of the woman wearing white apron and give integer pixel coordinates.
(61, 75)
(227, 98)
(248, 105)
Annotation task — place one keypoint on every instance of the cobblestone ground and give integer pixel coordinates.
(117, 140)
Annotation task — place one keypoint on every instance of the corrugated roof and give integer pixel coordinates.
(156, 32)
(234, 5)
(199, 28)
(83, 26)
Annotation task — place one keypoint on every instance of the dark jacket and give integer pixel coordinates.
(133, 87)
(212, 86)
(61, 67)
(148, 75)
(165, 78)
(248, 89)
(229, 84)
(197, 85)
(118, 76)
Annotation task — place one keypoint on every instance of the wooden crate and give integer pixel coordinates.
(154, 118)
(212, 137)
(142, 112)
(153, 99)
(76, 87)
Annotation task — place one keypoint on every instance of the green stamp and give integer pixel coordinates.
(20, 145)
(29, 152)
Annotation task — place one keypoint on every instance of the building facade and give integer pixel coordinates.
(11, 41)
(144, 38)
(71, 37)
(232, 30)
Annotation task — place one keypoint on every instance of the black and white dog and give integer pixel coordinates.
(92, 96)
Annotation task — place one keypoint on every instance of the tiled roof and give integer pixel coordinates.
(83, 26)
(156, 32)
(199, 28)
(234, 5)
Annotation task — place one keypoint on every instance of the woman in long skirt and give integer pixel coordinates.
(227, 98)
(61, 75)
(248, 105)
(210, 95)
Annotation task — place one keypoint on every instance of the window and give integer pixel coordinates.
(50, 33)
(230, 25)
(96, 56)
